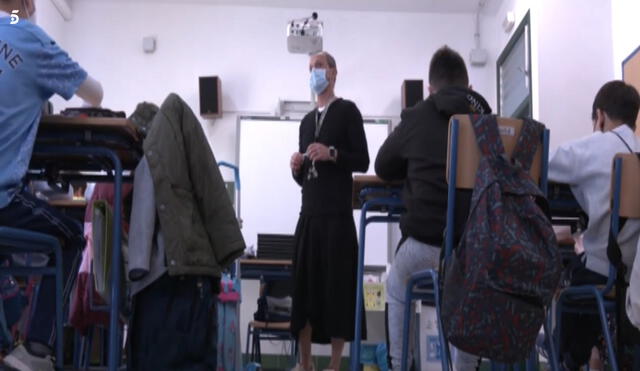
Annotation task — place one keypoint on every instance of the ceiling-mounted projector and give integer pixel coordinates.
(304, 36)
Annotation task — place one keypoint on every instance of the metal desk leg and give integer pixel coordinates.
(93, 152)
(114, 330)
(355, 345)
(59, 309)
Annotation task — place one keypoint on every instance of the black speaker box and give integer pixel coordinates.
(210, 97)
(412, 93)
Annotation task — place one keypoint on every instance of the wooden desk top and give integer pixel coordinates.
(364, 181)
(68, 203)
(117, 124)
(373, 181)
(117, 134)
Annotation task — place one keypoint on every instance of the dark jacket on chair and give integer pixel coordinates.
(416, 151)
(197, 219)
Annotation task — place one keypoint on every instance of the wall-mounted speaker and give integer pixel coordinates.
(412, 93)
(210, 97)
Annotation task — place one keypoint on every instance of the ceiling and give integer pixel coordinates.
(425, 6)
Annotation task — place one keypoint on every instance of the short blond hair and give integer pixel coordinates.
(331, 61)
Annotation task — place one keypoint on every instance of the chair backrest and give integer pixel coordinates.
(629, 185)
(468, 153)
(463, 150)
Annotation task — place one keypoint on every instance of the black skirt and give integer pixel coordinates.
(325, 268)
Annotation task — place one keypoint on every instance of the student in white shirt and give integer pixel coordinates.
(586, 165)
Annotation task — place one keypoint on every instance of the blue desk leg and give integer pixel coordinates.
(114, 337)
(355, 345)
(59, 310)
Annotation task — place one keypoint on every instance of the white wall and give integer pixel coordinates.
(575, 59)
(572, 56)
(626, 31)
(246, 47)
(48, 17)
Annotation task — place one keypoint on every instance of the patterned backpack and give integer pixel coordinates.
(507, 266)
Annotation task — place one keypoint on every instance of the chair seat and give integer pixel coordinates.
(284, 326)
(258, 331)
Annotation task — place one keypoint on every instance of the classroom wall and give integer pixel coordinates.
(575, 58)
(572, 56)
(246, 46)
(48, 17)
(626, 31)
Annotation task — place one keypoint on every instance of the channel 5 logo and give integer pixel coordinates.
(14, 17)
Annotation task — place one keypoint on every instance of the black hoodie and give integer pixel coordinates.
(416, 152)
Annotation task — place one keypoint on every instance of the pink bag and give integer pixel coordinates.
(83, 312)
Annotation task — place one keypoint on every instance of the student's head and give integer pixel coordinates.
(26, 8)
(615, 104)
(319, 62)
(447, 69)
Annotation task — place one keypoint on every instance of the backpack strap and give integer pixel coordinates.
(623, 141)
(527, 143)
(487, 135)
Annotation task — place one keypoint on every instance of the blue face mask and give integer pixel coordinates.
(318, 80)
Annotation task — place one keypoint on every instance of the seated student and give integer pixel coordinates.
(32, 69)
(416, 151)
(586, 165)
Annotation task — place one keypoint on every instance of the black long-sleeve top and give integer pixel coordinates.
(416, 152)
(330, 192)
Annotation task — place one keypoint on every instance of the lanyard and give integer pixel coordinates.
(623, 141)
(320, 121)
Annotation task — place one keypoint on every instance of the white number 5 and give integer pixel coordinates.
(14, 17)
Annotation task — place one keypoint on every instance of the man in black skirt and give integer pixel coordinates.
(332, 146)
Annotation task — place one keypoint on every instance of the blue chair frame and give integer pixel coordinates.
(14, 240)
(236, 178)
(531, 362)
(392, 204)
(423, 286)
(572, 299)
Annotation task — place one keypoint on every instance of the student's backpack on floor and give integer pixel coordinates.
(274, 303)
(507, 266)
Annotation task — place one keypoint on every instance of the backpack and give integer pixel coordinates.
(274, 303)
(507, 265)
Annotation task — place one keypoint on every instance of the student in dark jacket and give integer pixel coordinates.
(416, 152)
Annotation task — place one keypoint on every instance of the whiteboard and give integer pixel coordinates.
(271, 198)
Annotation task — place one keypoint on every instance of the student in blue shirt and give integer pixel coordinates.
(32, 69)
